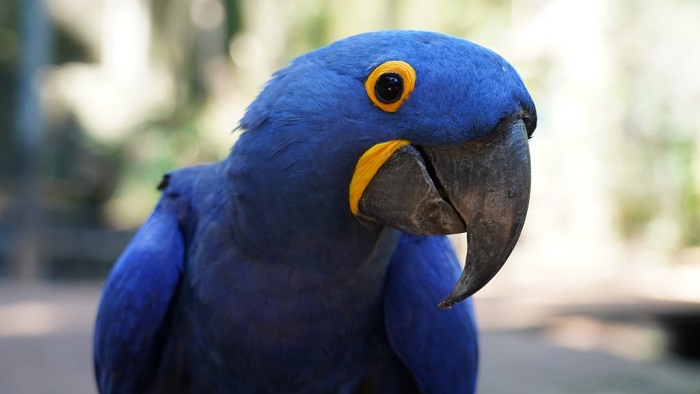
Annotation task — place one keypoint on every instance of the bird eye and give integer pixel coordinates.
(390, 84)
(388, 88)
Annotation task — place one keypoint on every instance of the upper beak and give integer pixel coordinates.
(481, 187)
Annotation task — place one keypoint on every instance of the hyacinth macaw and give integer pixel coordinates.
(313, 258)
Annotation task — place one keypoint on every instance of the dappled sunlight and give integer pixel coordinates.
(610, 83)
(679, 283)
(579, 61)
(27, 319)
(108, 104)
(30, 318)
(629, 341)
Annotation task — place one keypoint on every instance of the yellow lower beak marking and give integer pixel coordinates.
(367, 168)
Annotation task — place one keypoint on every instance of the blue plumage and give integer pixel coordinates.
(253, 276)
(422, 335)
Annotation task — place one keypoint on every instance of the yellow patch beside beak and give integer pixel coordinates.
(367, 168)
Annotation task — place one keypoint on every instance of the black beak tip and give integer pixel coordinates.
(447, 303)
(454, 297)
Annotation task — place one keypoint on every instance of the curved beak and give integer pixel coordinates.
(481, 187)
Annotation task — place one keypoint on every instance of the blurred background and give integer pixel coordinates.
(98, 98)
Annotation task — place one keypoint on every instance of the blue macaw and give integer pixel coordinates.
(312, 259)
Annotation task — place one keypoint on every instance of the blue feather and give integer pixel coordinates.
(132, 319)
(422, 271)
(252, 275)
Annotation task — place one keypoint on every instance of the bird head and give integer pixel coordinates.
(417, 131)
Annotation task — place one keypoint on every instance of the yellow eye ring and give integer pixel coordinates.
(390, 84)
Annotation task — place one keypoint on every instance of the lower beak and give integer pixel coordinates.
(481, 187)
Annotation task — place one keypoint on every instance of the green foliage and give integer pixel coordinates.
(200, 73)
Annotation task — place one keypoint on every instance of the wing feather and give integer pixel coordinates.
(131, 319)
(438, 346)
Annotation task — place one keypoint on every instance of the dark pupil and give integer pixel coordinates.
(388, 88)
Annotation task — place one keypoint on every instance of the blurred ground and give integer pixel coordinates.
(45, 333)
